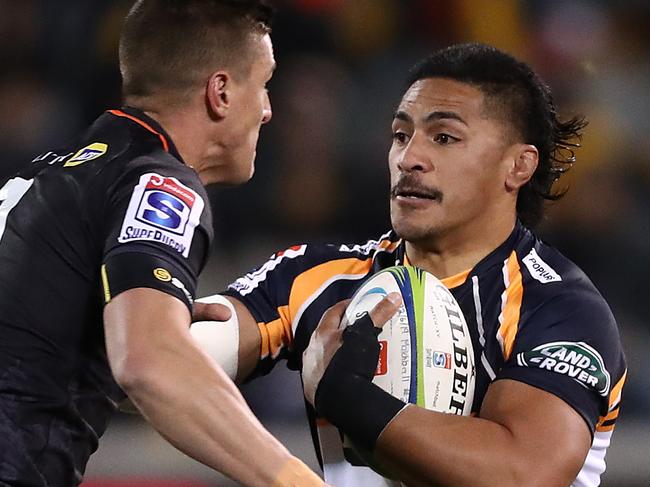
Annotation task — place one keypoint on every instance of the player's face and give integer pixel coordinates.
(251, 108)
(447, 161)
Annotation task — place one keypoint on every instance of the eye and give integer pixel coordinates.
(444, 139)
(400, 137)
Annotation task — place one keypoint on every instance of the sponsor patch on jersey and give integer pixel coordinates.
(164, 210)
(88, 153)
(577, 360)
(246, 284)
(162, 274)
(539, 269)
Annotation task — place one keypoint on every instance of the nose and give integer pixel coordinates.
(416, 155)
(267, 113)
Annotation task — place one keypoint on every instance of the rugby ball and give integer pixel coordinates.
(426, 354)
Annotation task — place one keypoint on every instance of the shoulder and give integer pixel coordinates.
(551, 279)
(320, 262)
(562, 309)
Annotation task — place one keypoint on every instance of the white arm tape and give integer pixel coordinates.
(220, 339)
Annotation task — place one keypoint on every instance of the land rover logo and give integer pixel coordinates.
(577, 360)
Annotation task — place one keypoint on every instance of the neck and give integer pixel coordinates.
(446, 255)
(180, 127)
(194, 142)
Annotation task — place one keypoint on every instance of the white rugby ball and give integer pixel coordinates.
(426, 355)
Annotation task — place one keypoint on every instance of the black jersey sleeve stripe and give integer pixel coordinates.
(128, 270)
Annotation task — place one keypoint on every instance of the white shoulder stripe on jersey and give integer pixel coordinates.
(481, 330)
(504, 298)
(366, 248)
(247, 284)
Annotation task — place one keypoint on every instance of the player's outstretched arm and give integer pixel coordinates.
(186, 396)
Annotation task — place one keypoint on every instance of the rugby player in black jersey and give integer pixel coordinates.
(101, 242)
(477, 147)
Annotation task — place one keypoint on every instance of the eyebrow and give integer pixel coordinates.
(431, 117)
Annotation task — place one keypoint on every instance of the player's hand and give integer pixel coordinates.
(326, 340)
(203, 311)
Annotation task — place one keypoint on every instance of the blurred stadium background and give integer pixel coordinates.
(321, 167)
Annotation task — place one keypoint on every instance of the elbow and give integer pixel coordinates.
(132, 372)
(541, 474)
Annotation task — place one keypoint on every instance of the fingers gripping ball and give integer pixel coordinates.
(426, 354)
(346, 395)
(360, 350)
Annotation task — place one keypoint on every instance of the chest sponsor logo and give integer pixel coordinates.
(246, 284)
(88, 153)
(164, 210)
(577, 360)
(539, 269)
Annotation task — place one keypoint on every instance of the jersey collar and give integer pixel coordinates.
(145, 121)
(496, 257)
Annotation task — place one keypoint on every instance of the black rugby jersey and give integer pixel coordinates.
(532, 314)
(116, 210)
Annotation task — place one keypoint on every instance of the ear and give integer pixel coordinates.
(522, 166)
(218, 94)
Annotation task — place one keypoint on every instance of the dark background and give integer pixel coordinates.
(322, 162)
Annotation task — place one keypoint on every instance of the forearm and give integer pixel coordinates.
(186, 396)
(428, 448)
(524, 436)
(194, 405)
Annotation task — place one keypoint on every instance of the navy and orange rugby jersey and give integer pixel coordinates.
(533, 317)
(115, 210)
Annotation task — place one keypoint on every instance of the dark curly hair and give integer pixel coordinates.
(511, 88)
(170, 45)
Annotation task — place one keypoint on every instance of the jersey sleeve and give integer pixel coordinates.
(288, 295)
(570, 347)
(266, 292)
(156, 227)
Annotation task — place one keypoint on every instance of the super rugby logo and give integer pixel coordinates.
(164, 210)
(577, 360)
(166, 204)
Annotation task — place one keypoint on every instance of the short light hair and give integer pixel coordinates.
(170, 46)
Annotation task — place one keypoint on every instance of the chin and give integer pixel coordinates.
(414, 229)
(412, 233)
(241, 173)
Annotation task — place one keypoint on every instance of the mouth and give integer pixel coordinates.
(414, 194)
